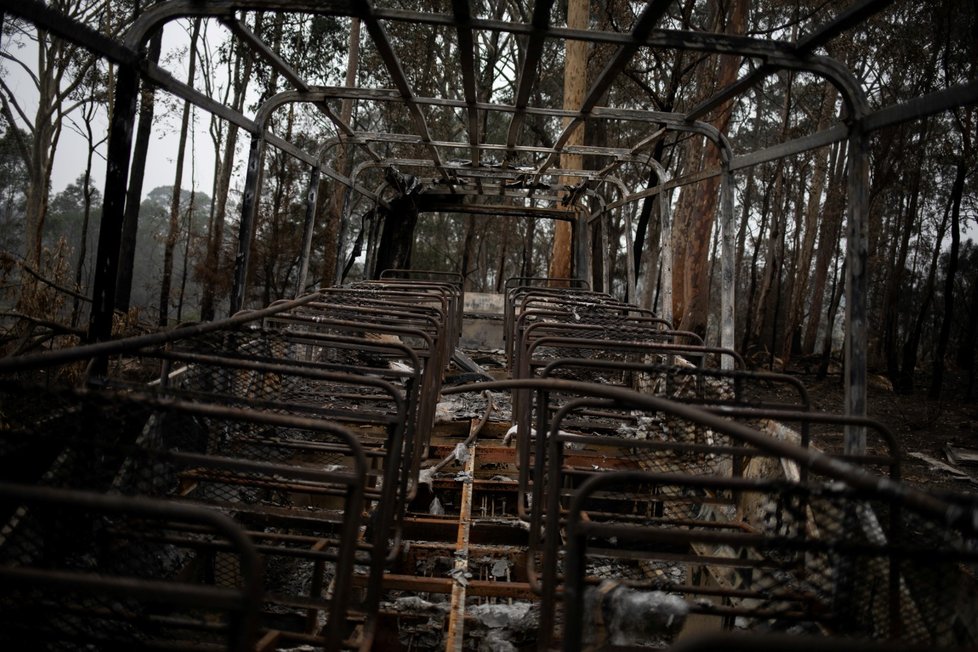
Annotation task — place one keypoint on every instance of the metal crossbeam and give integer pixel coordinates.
(378, 33)
(643, 27)
(767, 57)
(845, 20)
(466, 53)
(245, 33)
(529, 70)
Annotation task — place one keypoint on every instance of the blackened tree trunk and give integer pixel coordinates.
(468, 247)
(397, 237)
(966, 350)
(130, 218)
(837, 290)
(894, 284)
(911, 348)
(957, 189)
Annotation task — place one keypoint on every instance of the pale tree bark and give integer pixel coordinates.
(188, 234)
(344, 161)
(88, 191)
(575, 85)
(173, 232)
(803, 259)
(242, 67)
(59, 70)
(696, 208)
(828, 234)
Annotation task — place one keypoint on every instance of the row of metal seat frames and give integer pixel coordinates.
(670, 490)
(226, 485)
(243, 484)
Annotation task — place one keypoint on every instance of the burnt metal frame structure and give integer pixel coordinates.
(858, 124)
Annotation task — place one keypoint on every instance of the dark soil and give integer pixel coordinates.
(919, 424)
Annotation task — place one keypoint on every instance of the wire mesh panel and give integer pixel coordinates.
(766, 555)
(295, 485)
(585, 437)
(415, 329)
(630, 437)
(80, 570)
(607, 362)
(600, 314)
(440, 305)
(351, 381)
(451, 284)
(775, 404)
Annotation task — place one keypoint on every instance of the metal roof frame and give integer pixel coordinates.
(129, 55)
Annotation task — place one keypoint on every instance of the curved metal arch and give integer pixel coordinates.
(578, 207)
(783, 54)
(678, 123)
(727, 286)
(252, 190)
(156, 16)
(665, 225)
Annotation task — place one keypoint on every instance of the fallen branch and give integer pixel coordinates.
(7, 256)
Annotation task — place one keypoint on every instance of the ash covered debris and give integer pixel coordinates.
(472, 405)
(620, 615)
(421, 623)
(504, 627)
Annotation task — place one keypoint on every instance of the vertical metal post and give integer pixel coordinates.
(607, 257)
(249, 210)
(727, 262)
(857, 281)
(581, 235)
(113, 204)
(342, 235)
(628, 211)
(307, 229)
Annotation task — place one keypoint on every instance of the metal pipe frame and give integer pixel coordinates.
(773, 55)
(247, 599)
(891, 550)
(146, 453)
(947, 513)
